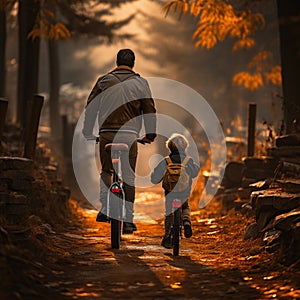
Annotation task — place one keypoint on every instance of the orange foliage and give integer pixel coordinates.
(264, 71)
(274, 76)
(249, 81)
(217, 20)
(46, 28)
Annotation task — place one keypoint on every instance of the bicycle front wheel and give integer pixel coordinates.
(115, 234)
(176, 232)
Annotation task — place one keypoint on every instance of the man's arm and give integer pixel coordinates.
(91, 111)
(149, 114)
(95, 91)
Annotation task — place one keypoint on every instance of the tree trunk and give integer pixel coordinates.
(289, 29)
(55, 119)
(28, 58)
(2, 52)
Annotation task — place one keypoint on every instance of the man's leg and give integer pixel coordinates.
(128, 173)
(105, 175)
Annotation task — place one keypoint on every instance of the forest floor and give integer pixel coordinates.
(215, 263)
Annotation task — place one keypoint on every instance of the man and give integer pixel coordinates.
(123, 102)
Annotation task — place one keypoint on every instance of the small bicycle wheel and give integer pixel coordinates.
(176, 232)
(115, 233)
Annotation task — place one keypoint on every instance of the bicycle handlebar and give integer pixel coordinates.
(139, 140)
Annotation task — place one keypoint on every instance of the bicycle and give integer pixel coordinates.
(116, 208)
(116, 196)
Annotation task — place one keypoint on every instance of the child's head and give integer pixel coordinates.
(177, 142)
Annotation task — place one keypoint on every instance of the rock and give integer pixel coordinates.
(261, 185)
(277, 199)
(268, 204)
(258, 174)
(291, 185)
(233, 174)
(252, 232)
(245, 193)
(5, 239)
(272, 237)
(246, 182)
(286, 151)
(15, 163)
(285, 221)
(262, 162)
(289, 167)
(288, 140)
(246, 209)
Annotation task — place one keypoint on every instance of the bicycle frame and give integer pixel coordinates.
(116, 209)
(116, 188)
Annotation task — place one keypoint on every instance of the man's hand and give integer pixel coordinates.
(144, 140)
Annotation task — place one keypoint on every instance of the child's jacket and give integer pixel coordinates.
(177, 157)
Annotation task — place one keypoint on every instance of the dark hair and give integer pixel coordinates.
(125, 57)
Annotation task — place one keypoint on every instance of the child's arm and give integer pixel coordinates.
(193, 168)
(159, 172)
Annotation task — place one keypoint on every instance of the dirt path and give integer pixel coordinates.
(214, 264)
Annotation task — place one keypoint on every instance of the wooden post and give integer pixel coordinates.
(33, 125)
(3, 110)
(251, 129)
(65, 134)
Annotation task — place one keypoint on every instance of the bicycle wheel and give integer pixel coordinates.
(176, 232)
(115, 202)
(115, 233)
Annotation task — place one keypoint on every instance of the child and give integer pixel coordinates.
(177, 145)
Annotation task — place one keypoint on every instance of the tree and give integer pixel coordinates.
(289, 29)
(240, 20)
(79, 19)
(28, 58)
(38, 19)
(2, 51)
(5, 9)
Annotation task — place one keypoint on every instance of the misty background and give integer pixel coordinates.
(164, 48)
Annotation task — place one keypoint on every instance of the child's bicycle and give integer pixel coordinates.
(176, 230)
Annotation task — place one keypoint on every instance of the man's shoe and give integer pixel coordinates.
(167, 242)
(187, 228)
(128, 228)
(101, 217)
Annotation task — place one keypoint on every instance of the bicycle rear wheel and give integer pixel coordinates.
(176, 232)
(115, 233)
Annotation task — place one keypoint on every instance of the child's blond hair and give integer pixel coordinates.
(177, 142)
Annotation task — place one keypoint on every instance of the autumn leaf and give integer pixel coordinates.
(249, 81)
(274, 76)
(243, 43)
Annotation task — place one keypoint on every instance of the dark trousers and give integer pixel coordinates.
(185, 213)
(128, 164)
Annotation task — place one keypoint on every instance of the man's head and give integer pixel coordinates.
(125, 57)
(177, 142)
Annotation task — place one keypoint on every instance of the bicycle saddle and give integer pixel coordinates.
(116, 147)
